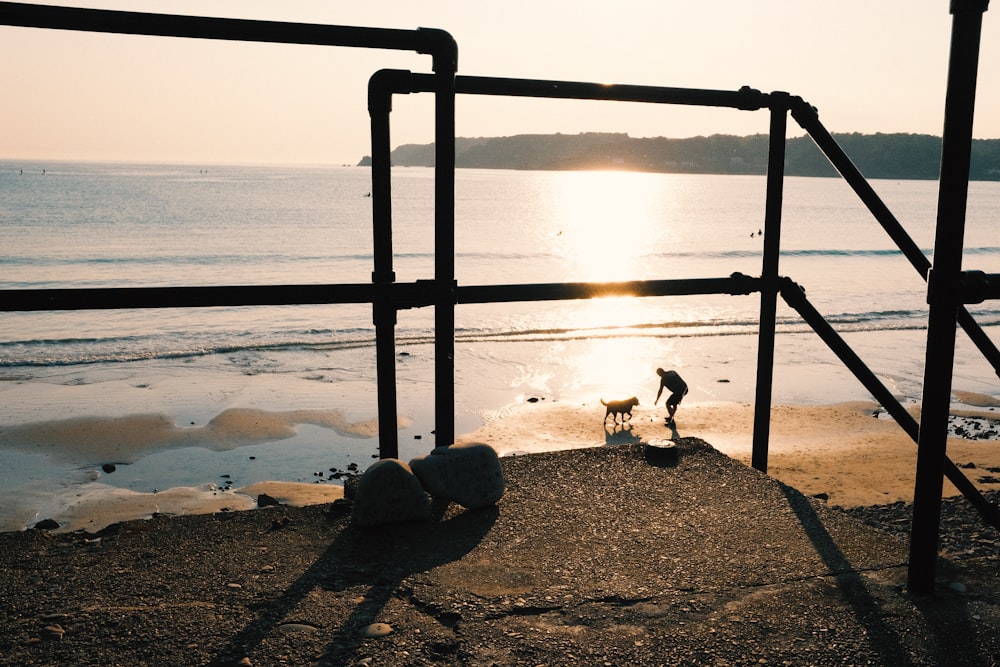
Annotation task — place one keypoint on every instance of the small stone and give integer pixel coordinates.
(234, 586)
(468, 474)
(46, 524)
(297, 627)
(108, 468)
(246, 662)
(264, 500)
(351, 486)
(52, 632)
(279, 523)
(376, 630)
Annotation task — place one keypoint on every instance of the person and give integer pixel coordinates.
(677, 386)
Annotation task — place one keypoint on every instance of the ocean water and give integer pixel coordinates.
(124, 225)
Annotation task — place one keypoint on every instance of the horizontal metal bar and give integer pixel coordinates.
(735, 284)
(400, 295)
(167, 25)
(746, 98)
(201, 297)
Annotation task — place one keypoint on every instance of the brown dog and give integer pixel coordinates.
(620, 407)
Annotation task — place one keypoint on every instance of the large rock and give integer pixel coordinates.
(389, 492)
(467, 474)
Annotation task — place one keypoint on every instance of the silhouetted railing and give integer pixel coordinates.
(948, 286)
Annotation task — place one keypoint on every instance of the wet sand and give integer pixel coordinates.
(842, 452)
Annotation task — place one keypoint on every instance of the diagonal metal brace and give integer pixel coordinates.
(795, 296)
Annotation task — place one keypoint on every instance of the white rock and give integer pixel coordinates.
(376, 630)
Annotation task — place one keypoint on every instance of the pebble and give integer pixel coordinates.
(297, 627)
(376, 630)
(233, 586)
(264, 500)
(958, 587)
(53, 632)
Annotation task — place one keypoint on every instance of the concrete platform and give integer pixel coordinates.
(605, 556)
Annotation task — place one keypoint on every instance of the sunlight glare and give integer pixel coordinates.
(605, 220)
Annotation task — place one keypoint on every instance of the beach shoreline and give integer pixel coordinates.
(848, 454)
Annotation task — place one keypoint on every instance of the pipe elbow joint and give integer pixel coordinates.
(442, 47)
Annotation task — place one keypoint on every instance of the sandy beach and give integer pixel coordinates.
(843, 452)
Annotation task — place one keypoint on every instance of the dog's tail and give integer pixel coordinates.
(602, 401)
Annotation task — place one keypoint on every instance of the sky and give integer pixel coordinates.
(866, 66)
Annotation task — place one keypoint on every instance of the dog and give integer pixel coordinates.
(620, 407)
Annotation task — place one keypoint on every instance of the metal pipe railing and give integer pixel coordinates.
(422, 40)
(99, 298)
(769, 276)
(948, 287)
(417, 294)
(736, 284)
(382, 86)
(953, 190)
(795, 296)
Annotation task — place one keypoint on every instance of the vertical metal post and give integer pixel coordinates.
(383, 310)
(769, 279)
(445, 67)
(943, 292)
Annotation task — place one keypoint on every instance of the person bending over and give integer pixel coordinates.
(677, 386)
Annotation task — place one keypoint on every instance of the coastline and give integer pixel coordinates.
(842, 453)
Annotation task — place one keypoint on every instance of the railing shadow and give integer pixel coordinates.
(866, 606)
(852, 586)
(379, 558)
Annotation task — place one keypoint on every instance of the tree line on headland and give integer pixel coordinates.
(893, 156)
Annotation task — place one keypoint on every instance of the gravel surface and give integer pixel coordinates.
(963, 533)
(608, 556)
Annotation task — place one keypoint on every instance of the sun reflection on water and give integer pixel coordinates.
(604, 223)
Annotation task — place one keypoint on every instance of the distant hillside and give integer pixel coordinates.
(900, 156)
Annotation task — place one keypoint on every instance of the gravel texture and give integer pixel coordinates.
(963, 533)
(607, 556)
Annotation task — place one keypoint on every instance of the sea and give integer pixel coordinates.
(302, 378)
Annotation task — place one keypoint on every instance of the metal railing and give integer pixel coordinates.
(949, 287)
